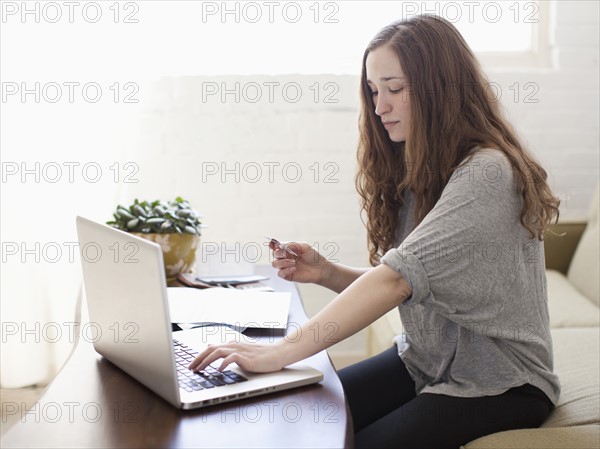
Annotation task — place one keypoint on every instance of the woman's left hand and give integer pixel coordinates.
(250, 357)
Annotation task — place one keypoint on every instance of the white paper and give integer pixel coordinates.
(199, 338)
(241, 308)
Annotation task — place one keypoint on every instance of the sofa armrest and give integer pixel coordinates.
(558, 248)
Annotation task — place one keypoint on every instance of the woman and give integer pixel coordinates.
(456, 211)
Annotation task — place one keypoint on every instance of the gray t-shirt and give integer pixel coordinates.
(477, 321)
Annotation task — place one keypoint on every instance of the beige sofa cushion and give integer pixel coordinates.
(577, 364)
(585, 266)
(567, 306)
(575, 422)
(581, 437)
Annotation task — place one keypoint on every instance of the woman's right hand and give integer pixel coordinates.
(308, 267)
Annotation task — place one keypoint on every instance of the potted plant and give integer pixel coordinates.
(174, 225)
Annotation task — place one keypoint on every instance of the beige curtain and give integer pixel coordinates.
(56, 164)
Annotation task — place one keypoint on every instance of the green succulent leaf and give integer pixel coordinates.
(131, 224)
(138, 210)
(125, 214)
(190, 230)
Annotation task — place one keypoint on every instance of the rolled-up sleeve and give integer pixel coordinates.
(409, 266)
(464, 253)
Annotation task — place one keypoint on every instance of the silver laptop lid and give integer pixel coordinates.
(125, 287)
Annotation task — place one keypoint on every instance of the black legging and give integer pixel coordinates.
(387, 412)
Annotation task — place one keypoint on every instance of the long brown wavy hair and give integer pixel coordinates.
(453, 111)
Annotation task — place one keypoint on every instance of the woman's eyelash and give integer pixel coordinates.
(393, 91)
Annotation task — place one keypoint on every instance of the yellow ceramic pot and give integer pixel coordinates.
(179, 252)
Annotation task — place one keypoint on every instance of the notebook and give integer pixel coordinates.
(126, 292)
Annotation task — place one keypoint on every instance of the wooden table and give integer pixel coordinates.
(92, 403)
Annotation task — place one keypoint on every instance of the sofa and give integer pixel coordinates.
(572, 256)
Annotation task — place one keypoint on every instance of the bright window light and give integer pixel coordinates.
(158, 38)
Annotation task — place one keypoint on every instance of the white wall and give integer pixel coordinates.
(176, 132)
(311, 196)
(557, 113)
(562, 126)
(555, 109)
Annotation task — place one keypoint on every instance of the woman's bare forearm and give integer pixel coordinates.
(338, 277)
(371, 296)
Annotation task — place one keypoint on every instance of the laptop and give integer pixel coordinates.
(126, 293)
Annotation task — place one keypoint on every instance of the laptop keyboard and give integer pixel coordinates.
(210, 377)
